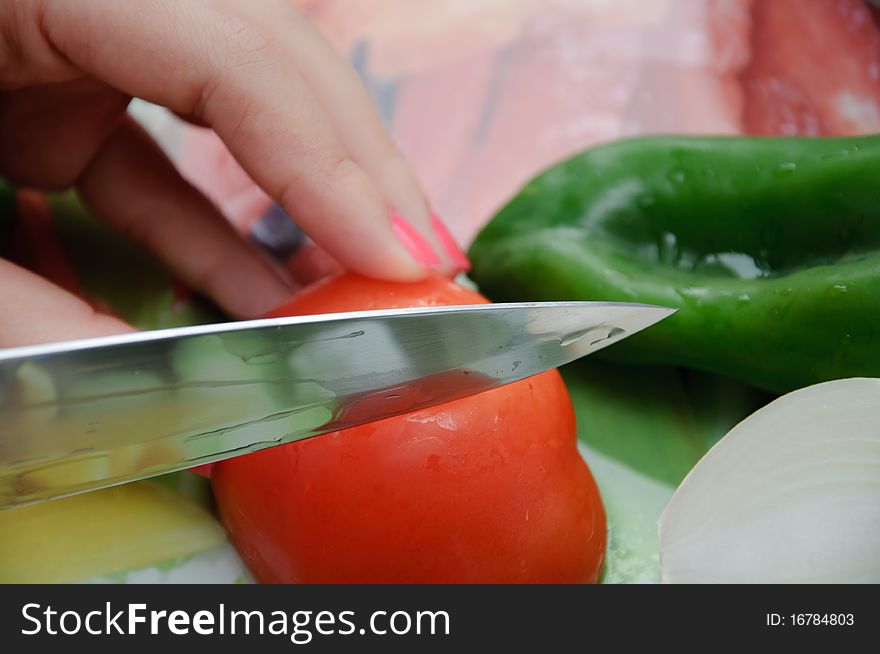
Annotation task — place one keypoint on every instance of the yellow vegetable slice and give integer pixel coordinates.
(102, 533)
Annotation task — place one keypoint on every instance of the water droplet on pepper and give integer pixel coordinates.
(785, 169)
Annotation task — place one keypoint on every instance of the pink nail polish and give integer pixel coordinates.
(456, 256)
(414, 242)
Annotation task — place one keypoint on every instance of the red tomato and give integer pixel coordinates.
(490, 488)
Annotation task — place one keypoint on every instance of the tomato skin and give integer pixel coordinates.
(350, 292)
(489, 488)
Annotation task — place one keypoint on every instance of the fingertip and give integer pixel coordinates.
(410, 255)
(392, 263)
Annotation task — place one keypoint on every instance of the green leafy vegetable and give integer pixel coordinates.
(122, 274)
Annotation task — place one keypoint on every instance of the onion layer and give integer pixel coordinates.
(790, 495)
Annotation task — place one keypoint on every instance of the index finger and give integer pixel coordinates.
(207, 59)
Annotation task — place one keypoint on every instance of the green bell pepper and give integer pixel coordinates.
(768, 247)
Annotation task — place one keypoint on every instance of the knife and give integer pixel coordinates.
(82, 415)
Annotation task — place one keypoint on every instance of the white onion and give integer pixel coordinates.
(790, 495)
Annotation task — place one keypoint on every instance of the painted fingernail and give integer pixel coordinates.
(456, 256)
(414, 242)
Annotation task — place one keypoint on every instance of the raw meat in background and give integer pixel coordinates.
(482, 95)
(576, 76)
(815, 68)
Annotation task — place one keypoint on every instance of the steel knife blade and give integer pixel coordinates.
(82, 415)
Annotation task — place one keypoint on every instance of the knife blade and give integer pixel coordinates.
(83, 415)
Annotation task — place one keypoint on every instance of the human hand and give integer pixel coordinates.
(285, 104)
